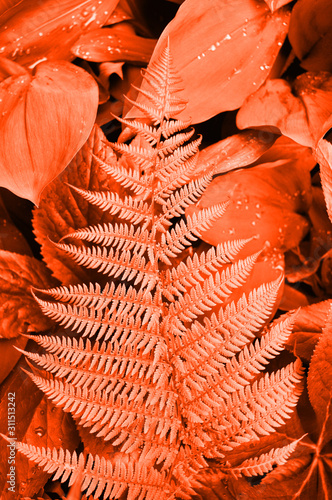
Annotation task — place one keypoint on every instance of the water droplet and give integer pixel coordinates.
(213, 48)
(232, 231)
(85, 13)
(254, 83)
(227, 37)
(93, 8)
(262, 68)
(40, 431)
(258, 216)
(253, 223)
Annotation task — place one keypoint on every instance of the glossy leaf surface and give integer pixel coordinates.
(226, 53)
(36, 114)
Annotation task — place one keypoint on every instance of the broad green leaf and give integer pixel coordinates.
(222, 51)
(44, 120)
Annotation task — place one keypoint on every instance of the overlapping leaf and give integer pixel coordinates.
(267, 200)
(31, 30)
(62, 210)
(310, 33)
(118, 43)
(19, 312)
(301, 111)
(226, 53)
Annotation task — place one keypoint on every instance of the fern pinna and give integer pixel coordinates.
(159, 366)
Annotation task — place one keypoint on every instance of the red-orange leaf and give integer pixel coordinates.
(307, 329)
(266, 200)
(44, 120)
(62, 210)
(118, 43)
(32, 31)
(276, 4)
(235, 151)
(310, 33)
(320, 374)
(19, 312)
(302, 112)
(323, 154)
(226, 53)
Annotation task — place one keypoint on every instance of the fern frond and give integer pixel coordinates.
(144, 157)
(195, 269)
(253, 357)
(167, 380)
(258, 466)
(215, 289)
(260, 408)
(129, 310)
(113, 263)
(150, 133)
(177, 239)
(80, 295)
(175, 206)
(101, 476)
(121, 236)
(126, 208)
(127, 177)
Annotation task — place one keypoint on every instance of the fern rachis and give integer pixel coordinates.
(154, 369)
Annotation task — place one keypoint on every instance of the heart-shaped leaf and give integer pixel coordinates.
(44, 120)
